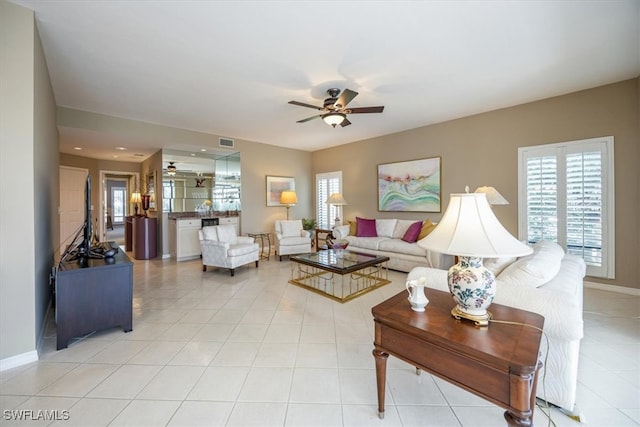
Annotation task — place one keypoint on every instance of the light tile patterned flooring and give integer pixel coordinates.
(208, 349)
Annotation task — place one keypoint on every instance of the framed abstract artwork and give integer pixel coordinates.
(411, 186)
(276, 185)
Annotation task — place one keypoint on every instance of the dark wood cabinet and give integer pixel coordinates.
(93, 295)
(145, 244)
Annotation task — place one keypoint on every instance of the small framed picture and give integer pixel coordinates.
(276, 185)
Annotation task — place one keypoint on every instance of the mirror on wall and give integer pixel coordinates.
(201, 182)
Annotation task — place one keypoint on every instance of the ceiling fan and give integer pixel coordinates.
(334, 111)
(171, 169)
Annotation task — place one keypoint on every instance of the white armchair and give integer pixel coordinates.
(222, 247)
(291, 238)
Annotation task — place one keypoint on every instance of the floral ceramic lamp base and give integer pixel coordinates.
(473, 288)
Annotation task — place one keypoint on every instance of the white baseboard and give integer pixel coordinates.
(18, 360)
(612, 288)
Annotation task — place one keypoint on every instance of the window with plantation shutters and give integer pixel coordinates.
(567, 196)
(327, 184)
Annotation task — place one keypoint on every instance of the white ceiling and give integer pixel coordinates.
(230, 67)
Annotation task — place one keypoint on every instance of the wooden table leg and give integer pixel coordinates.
(381, 378)
(523, 399)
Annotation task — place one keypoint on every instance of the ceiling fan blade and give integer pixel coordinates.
(302, 104)
(345, 122)
(308, 118)
(346, 97)
(359, 110)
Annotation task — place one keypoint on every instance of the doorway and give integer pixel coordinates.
(115, 193)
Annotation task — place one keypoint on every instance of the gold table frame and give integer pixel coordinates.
(339, 274)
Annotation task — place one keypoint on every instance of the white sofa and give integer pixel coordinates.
(550, 283)
(403, 256)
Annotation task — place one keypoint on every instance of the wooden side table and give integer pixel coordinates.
(327, 235)
(498, 363)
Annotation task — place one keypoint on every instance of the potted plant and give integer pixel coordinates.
(308, 223)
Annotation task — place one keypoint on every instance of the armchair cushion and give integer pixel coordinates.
(291, 228)
(227, 233)
(209, 233)
(241, 249)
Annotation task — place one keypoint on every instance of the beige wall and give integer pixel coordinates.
(483, 150)
(46, 184)
(28, 148)
(257, 161)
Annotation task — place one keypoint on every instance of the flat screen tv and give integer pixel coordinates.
(85, 247)
(82, 250)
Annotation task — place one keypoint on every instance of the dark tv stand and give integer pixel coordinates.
(93, 294)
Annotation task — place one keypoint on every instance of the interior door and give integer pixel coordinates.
(72, 183)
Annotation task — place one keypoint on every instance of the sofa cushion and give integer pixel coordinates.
(385, 227)
(366, 242)
(536, 269)
(401, 227)
(412, 232)
(497, 265)
(427, 227)
(353, 228)
(366, 227)
(399, 246)
(291, 228)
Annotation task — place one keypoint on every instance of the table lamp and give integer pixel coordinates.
(336, 199)
(493, 196)
(470, 230)
(288, 198)
(135, 199)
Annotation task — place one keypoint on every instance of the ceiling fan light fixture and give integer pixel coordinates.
(171, 169)
(333, 119)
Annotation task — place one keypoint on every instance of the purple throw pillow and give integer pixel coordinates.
(366, 227)
(411, 235)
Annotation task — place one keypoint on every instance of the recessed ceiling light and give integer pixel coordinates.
(120, 148)
(115, 157)
(193, 154)
(203, 149)
(77, 148)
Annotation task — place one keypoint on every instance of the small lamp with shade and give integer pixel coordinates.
(336, 199)
(470, 230)
(288, 198)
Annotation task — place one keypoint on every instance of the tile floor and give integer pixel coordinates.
(208, 349)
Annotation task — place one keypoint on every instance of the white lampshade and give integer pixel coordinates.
(493, 196)
(136, 197)
(333, 119)
(336, 199)
(469, 228)
(288, 198)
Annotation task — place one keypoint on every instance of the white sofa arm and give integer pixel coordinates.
(341, 231)
(214, 244)
(563, 316)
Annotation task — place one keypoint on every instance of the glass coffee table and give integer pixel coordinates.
(339, 274)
